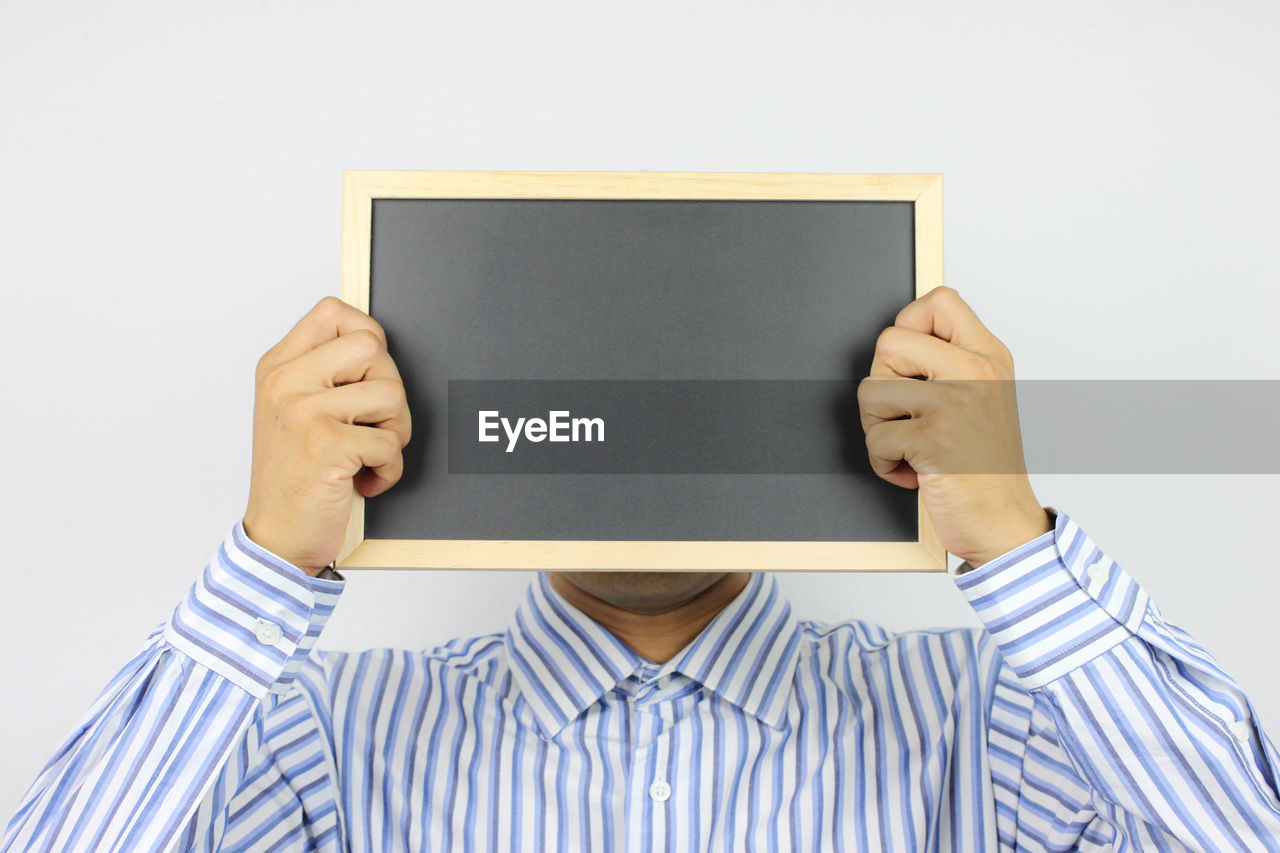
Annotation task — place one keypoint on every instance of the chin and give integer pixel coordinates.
(643, 592)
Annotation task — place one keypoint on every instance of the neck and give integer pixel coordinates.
(657, 636)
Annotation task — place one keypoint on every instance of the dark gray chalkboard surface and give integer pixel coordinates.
(587, 289)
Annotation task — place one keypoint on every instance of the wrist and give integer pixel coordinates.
(1035, 524)
(253, 532)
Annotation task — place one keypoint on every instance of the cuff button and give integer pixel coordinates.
(268, 633)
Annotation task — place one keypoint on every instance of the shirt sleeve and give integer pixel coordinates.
(132, 772)
(1134, 738)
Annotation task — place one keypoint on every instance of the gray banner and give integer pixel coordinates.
(812, 426)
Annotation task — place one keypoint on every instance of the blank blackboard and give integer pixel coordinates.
(534, 287)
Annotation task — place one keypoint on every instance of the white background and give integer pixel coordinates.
(172, 178)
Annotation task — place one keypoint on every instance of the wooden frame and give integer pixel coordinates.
(360, 188)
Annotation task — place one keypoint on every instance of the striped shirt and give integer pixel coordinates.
(1078, 719)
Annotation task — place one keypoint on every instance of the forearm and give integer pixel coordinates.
(133, 771)
(106, 782)
(1148, 720)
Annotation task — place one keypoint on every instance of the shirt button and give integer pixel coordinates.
(268, 633)
(660, 790)
(1097, 573)
(1241, 729)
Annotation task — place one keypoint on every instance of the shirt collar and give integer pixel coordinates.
(563, 661)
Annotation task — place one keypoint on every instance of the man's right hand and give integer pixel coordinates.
(329, 411)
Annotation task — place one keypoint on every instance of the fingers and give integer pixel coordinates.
(888, 445)
(329, 413)
(943, 313)
(376, 402)
(353, 357)
(889, 398)
(361, 381)
(330, 318)
(351, 379)
(902, 352)
(377, 450)
(947, 421)
(939, 337)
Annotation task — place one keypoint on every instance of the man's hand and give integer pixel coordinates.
(328, 376)
(952, 435)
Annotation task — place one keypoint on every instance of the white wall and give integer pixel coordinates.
(172, 188)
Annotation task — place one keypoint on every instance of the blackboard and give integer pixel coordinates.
(676, 319)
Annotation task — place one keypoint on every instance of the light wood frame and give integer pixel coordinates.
(360, 188)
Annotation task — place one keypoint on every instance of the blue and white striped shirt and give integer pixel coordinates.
(1079, 719)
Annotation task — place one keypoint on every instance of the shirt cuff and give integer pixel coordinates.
(252, 617)
(1054, 603)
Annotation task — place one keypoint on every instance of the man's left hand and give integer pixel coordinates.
(940, 415)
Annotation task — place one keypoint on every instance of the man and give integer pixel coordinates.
(636, 711)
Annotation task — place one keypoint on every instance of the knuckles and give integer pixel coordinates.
(366, 342)
(974, 365)
(331, 309)
(950, 396)
(1004, 355)
(408, 429)
(942, 295)
(328, 311)
(265, 363)
(887, 337)
(875, 435)
(295, 414)
(320, 436)
(887, 341)
(271, 383)
(987, 367)
(871, 391)
(392, 440)
(966, 363)
(864, 391)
